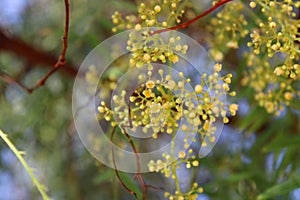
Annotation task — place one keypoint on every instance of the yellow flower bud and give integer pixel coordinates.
(288, 96)
(157, 8)
(252, 4)
(218, 67)
(181, 154)
(198, 88)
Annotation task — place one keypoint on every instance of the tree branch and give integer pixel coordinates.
(184, 25)
(115, 166)
(19, 47)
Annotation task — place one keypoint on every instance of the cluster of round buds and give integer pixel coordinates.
(167, 10)
(121, 23)
(228, 27)
(209, 105)
(289, 71)
(275, 85)
(158, 104)
(191, 195)
(150, 14)
(200, 106)
(162, 166)
(153, 105)
(146, 48)
(278, 34)
(272, 92)
(186, 159)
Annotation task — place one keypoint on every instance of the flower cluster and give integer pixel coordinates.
(186, 159)
(228, 27)
(151, 14)
(278, 34)
(165, 103)
(191, 195)
(146, 48)
(274, 70)
(272, 91)
(158, 104)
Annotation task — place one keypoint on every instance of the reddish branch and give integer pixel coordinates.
(184, 25)
(115, 165)
(15, 45)
(138, 173)
(62, 58)
(19, 47)
(10, 80)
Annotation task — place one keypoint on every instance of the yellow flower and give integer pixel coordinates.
(147, 93)
(146, 57)
(206, 126)
(272, 24)
(233, 108)
(288, 96)
(198, 89)
(252, 4)
(157, 8)
(218, 67)
(278, 71)
(155, 107)
(174, 58)
(101, 109)
(150, 84)
(195, 163)
(181, 154)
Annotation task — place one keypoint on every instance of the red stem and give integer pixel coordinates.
(115, 165)
(59, 63)
(62, 58)
(220, 3)
(138, 174)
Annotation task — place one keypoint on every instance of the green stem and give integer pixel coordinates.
(18, 153)
(174, 172)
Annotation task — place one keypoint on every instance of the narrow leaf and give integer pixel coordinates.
(280, 189)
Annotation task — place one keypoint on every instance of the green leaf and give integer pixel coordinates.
(281, 141)
(131, 184)
(280, 189)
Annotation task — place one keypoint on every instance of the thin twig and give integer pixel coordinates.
(60, 62)
(62, 58)
(5, 77)
(155, 188)
(32, 55)
(115, 165)
(184, 25)
(138, 173)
